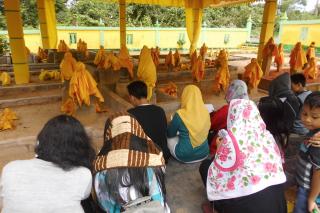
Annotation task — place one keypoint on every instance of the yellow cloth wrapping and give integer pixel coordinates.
(41, 54)
(6, 119)
(198, 69)
(67, 66)
(82, 85)
(270, 49)
(203, 50)
(253, 73)
(311, 71)
(223, 76)
(170, 59)
(194, 58)
(111, 61)
(68, 107)
(147, 70)
(194, 115)
(125, 61)
(193, 24)
(5, 78)
(279, 58)
(177, 58)
(63, 47)
(49, 75)
(297, 58)
(100, 57)
(311, 52)
(155, 54)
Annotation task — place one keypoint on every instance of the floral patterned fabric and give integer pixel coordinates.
(248, 159)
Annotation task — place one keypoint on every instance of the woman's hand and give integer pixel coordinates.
(315, 140)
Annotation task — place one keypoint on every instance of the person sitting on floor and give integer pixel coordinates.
(237, 90)
(152, 118)
(246, 174)
(187, 132)
(129, 169)
(298, 83)
(58, 178)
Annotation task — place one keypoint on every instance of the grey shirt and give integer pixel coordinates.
(39, 186)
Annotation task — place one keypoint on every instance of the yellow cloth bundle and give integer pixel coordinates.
(155, 54)
(125, 61)
(67, 66)
(41, 54)
(311, 71)
(253, 73)
(68, 107)
(63, 47)
(177, 58)
(194, 58)
(203, 50)
(270, 49)
(297, 58)
(5, 78)
(147, 70)
(169, 59)
(111, 61)
(82, 85)
(311, 52)
(198, 69)
(100, 57)
(6, 119)
(46, 75)
(194, 115)
(223, 76)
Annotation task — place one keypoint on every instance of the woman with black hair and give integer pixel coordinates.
(58, 178)
(129, 170)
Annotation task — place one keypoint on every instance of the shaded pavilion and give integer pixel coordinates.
(47, 20)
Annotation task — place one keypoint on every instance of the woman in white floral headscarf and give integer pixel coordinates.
(246, 174)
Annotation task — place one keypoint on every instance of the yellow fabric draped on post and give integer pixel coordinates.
(223, 76)
(125, 61)
(82, 85)
(67, 66)
(194, 115)
(253, 74)
(147, 70)
(311, 72)
(193, 24)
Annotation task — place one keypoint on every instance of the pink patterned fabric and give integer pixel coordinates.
(248, 159)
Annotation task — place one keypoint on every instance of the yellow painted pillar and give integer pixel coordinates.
(269, 15)
(17, 45)
(47, 20)
(122, 16)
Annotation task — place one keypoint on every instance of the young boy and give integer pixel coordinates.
(152, 118)
(298, 83)
(308, 166)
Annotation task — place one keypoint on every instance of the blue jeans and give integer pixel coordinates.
(301, 205)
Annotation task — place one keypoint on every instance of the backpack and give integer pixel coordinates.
(279, 114)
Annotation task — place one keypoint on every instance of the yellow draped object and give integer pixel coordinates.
(63, 47)
(223, 76)
(193, 24)
(68, 107)
(198, 69)
(253, 73)
(41, 54)
(194, 58)
(100, 57)
(177, 58)
(147, 70)
(279, 58)
(82, 85)
(270, 49)
(311, 52)
(67, 66)
(194, 115)
(49, 75)
(155, 54)
(311, 71)
(297, 58)
(111, 61)
(203, 50)
(5, 78)
(27, 51)
(6, 119)
(125, 61)
(170, 59)
(171, 89)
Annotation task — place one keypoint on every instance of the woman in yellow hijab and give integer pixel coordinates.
(147, 70)
(187, 132)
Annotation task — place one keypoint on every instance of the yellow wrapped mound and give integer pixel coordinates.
(112, 61)
(63, 47)
(311, 71)
(82, 85)
(177, 58)
(198, 69)
(68, 107)
(5, 78)
(6, 119)
(170, 59)
(253, 74)
(171, 89)
(125, 61)
(42, 54)
(67, 66)
(222, 78)
(203, 50)
(100, 57)
(46, 75)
